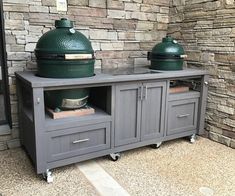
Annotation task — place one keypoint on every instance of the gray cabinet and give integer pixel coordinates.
(139, 112)
(130, 111)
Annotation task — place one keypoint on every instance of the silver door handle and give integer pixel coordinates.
(145, 92)
(183, 115)
(140, 93)
(80, 141)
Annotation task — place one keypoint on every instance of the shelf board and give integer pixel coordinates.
(67, 122)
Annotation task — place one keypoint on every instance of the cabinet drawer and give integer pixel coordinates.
(78, 141)
(182, 116)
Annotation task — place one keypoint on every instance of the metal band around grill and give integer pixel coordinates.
(152, 56)
(74, 103)
(65, 56)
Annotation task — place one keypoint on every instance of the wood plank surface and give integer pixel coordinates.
(70, 113)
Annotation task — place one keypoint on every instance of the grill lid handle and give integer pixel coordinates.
(64, 23)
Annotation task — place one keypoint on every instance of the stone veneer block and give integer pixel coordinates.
(206, 30)
(15, 143)
(4, 130)
(233, 143)
(114, 4)
(3, 146)
(99, 3)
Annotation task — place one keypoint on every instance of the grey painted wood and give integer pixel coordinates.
(76, 159)
(101, 78)
(202, 107)
(153, 110)
(28, 137)
(182, 116)
(113, 107)
(122, 112)
(185, 95)
(179, 135)
(39, 124)
(72, 142)
(26, 124)
(127, 114)
(101, 98)
(55, 124)
(20, 105)
(152, 141)
(2, 108)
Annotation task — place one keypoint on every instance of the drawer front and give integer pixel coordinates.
(182, 116)
(76, 141)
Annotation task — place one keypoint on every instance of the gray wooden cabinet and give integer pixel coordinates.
(130, 111)
(127, 114)
(139, 113)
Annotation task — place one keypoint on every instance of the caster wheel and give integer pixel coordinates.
(48, 176)
(192, 138)
(157, 145)
(115, 156)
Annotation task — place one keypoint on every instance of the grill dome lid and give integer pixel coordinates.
(63, 40)
(167, 55)
(168, 48)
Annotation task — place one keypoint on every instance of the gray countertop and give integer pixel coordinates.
(108, 76)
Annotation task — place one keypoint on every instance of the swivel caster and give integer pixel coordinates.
(115, 156)
(157, 145)
(48, 176)
(192, 138)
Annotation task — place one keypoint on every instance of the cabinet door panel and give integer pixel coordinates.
(127, 114)
(153, 110)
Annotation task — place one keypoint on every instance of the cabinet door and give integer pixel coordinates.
(153, 110)
(127, 114)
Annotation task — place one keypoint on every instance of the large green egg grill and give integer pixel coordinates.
(168, 55)
(65, 53)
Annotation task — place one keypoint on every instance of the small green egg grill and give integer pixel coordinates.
(168, 55)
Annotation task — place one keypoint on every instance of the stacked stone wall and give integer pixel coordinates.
(121, 32)
(206, 28)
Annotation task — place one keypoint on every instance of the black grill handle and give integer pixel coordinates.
(152, 56)
(149, 55)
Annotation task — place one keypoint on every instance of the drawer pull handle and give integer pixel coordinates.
(80, 141)
(183, 115)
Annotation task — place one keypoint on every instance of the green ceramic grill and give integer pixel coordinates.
(168, 55)
(65, 53)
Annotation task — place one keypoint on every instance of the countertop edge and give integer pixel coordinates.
(100, 78)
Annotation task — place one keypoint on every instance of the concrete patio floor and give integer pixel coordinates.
(176, 168)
